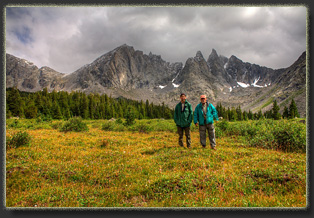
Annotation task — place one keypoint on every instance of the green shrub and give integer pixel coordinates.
(119, 121)
(39, 119)
(113, 126)
(14, 124)
(218, 133)
(291, 137)
(47, 118)
(56, 125)
(108, 126)
(267, 133)
(74, 124)
(19, 139)
(222, 125)
(143, 128)
(119, 128)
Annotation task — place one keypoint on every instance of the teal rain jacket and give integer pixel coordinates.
(211, 114)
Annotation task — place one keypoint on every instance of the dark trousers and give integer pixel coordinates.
(187, 135)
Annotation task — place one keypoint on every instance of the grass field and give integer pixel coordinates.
(145, 167)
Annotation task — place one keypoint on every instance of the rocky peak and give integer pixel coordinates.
(213, 56)
(199, 56)
(234, 59)
(125, 46)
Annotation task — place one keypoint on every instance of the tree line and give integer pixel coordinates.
(236, 114)
(64, 105)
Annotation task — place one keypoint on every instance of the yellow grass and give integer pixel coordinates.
(130, 169)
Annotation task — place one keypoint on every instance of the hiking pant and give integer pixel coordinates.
(211, 133)
(187, 135)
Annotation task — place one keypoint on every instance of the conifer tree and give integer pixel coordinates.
(285, 113)
(91, 106)
(239, 113)
(148, 111)
(245, 115)
(67, 113)
(15, 102)
(119, 111)
(259, 115)
(293, 110)
(45, 92)
(56, 111)
(229, 114)
(38, 101)
(63, 100)
(84, 106)
(30, 110)
(250, 115)
(275, 111)
(233, 114)
(129, 116)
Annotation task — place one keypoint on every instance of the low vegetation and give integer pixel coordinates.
(19, 139)
(74, 124)
(256, 164)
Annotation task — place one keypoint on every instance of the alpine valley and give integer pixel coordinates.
(129, 73)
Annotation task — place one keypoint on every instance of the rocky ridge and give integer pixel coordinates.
(130, 73)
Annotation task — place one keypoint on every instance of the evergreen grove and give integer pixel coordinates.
(236, 114)
(64, 105)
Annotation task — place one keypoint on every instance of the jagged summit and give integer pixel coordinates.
(199, 56)
(129, 73)
(213, 55)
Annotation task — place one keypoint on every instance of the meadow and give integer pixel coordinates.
(256, 164)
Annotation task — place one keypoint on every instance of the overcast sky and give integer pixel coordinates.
(66, 38)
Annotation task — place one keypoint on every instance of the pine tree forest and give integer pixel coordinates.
(64, 105)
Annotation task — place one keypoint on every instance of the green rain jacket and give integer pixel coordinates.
(183, 118)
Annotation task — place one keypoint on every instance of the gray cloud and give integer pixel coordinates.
(66, 38)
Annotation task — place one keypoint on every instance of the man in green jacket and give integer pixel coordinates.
(183, 114)
(204, 114)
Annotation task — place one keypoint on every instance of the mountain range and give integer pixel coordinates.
(126, 72)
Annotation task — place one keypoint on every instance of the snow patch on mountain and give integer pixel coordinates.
(160, 86)
(243, 85)
(254, 83)
(175, 77)
(175, 85)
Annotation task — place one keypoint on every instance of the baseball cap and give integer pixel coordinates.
(203, 96)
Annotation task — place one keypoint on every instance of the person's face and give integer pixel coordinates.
(182, 97)
(203, 100)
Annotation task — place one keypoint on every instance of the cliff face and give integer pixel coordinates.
(27, 77)
(130, 73)
(123, 68)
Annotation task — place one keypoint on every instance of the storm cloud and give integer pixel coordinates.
(66, 38)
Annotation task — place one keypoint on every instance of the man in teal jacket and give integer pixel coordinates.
(204, 114)
(183, 115)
